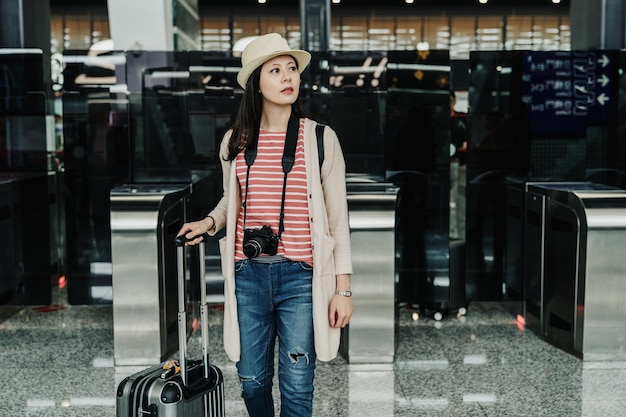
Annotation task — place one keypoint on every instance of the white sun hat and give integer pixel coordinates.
(264, 48)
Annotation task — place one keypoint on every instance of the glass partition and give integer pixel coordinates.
(497, 155)
(417, 143)
(355, 108)
(22, 112)
(144, 118)
(26, 195)
(162, 147)
(160, 117)
(96, 159)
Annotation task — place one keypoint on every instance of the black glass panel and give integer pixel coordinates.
(23, 138)
(418, 70)
(23, 145)
(568, 101)
(88, 71)
(534, 116)
(357, 70)
(96, 159)
(212, 110)
(21, 72)
(498, 155)
(612, 171)
(355, 108)
(160, 84)
(417, 144)
(138, 117)
(216, 72)
(25, 271)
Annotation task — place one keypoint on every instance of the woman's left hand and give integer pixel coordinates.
(340, 311)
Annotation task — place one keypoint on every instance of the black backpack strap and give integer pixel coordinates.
(319, 133)
(291, 140)
(289, 157)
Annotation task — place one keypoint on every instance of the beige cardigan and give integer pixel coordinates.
(330, 235)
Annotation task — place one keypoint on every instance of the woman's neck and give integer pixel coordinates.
(275, 119)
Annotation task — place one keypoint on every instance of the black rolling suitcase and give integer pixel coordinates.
(181, 388)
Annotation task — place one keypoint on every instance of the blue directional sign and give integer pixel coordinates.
(564, 92)
(601, 80)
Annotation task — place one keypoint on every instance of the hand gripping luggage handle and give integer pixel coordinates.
(182, 308)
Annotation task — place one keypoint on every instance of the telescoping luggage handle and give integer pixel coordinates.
(182, 308)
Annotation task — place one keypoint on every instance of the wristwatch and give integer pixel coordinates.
(344, 293)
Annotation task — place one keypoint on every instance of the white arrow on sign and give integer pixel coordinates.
(602, 99)
(604, 60)
(604, 80)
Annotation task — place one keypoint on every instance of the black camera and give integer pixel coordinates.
(258, 241)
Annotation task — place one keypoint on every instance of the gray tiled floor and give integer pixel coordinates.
(60, 363)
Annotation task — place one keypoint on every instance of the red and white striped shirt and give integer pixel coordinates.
(264, 196)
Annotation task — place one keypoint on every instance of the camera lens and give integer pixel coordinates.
(252, 248)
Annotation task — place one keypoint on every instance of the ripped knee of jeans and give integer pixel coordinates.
(245, 378)
(298, 354)
(248, 383)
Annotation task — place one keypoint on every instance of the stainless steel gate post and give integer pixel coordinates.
(370, 336)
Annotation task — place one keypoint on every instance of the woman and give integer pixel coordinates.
(286, 256)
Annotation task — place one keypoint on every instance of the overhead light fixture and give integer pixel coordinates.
(262, 1)
(336, 1)
(556, 1)
(408, 1)
(483, 1)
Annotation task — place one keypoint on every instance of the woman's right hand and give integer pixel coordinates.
(195, 230)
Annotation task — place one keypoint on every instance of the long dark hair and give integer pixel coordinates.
(248, 120)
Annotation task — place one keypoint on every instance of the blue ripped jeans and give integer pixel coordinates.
(275, 299)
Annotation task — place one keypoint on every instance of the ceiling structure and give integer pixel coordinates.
(457, 25)
(546, 5)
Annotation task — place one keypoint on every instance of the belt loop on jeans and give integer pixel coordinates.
(269, 259)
